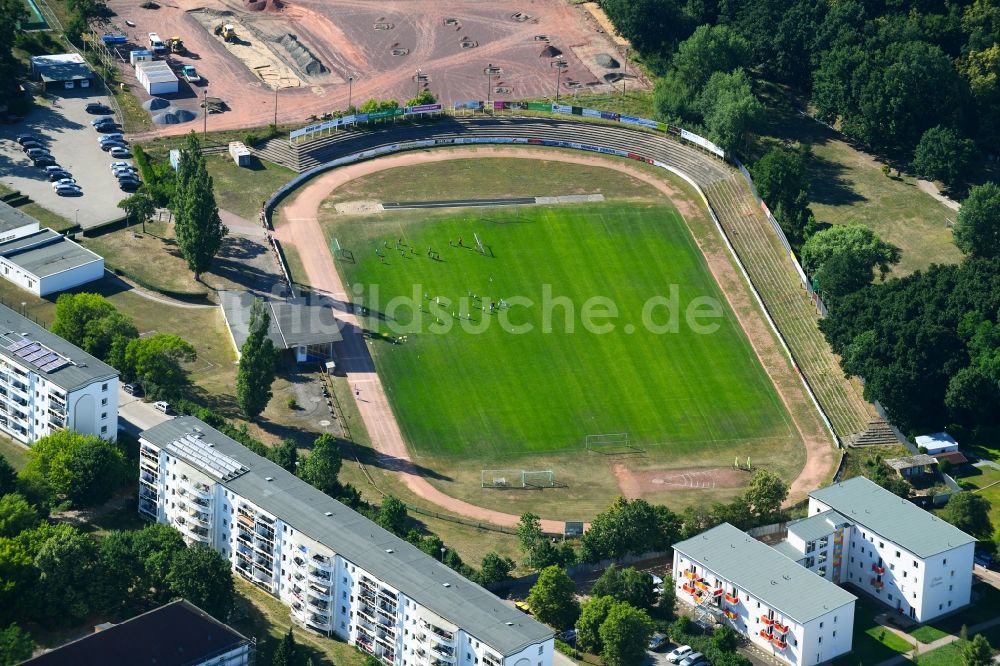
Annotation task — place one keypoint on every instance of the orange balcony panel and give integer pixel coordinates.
(877, 569)
(877, 584)
(732, 615)
(767, 620)
(778, 643)
(780, 628)
(730, 599)
(688, 588)
(702, 585)
(690, 574)
(765, 634)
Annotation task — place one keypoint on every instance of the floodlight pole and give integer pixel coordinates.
(489, 74)
(204, 131)
(276, 105)
(350, 86)
(625, 72)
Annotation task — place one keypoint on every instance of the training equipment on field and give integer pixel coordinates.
(609, 444)
(517, 479)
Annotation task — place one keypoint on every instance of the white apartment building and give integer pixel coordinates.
(47, 384)
(859, 533)
(783, 609)
(339, 573)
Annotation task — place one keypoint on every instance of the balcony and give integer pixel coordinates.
(717, 592)
(147, 493)
(444, 654)
(767, 620)
(688, 588)
(877, 569)
(702, 585)
(199, 517)
(319, 590)
(317, 603)
(690, 575)
(322, 562)
(198, 490)
(321, 620)
(149, 454)
(148, 508)
(731, 599)
(732, 615)
(263, 546)
(765, 634)
(780, 628)
(779, 643)
(322, 577)
(877, 584)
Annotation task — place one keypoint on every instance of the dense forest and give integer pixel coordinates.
(918, 83)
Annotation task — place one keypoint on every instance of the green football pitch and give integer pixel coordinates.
(506, 373)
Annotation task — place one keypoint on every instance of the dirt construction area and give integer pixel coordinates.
(308, 49)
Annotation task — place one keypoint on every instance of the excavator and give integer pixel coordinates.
(227, 32)
(176, 45)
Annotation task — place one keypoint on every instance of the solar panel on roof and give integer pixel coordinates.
(48, 358)
(37, 354)
(26, 351)
(54, 365)
(18, 344)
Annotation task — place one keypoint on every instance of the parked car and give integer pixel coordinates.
(21, 138)
(120, 151)
(678, 654)
(102, 120)
(132, 389)
(694, 659)
(54, 167)
(114, 136)
(58, 175)
(126, 173)
(44, 161)
(162, 406)
(107, 127)
(35, 153)
(97, 107)
(63, 181)
(523, 607)
(657, 641)
(190, 74)
(69, 191)
(568, 636)
(114, 165)
(129, 185)
(129, 182)
(31, 143)
(106, 147)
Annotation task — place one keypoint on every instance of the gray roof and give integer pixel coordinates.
(46, 253)
(817, 525)
(894, 518)
(294, 321)
(351, 535)
(788, 550)
(83, 369)
(766, 573)
(57, 68)
(11, 218)
(919, 460)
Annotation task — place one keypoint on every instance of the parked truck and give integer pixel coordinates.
(156, 44)
(177, 45)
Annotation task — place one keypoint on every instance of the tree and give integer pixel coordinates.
(977, 231)
(668, 599)
(709, 49)
(781, 181)
(154, 547)
(494, 569)
(91, 322)
(16, 515)
(321, 468)
(117, 555)
(287, 652)
(977, 652)
(16, 645)
(75, 311)
(8, 477)
(258, 363)
(425, 96)
(943, 154)
(197, 225)
(629, 527)
(69, 576)
(653, 26)
(139, 207)
(392, 515)
(842, 274)
(970, 513)
(155, 361)
(588, 625)
(83, 469)
(625, 634)
(286, 455)
(854, 239)
(765, 494)
(529, 532)
(203, 577)
(553, 598)
(12, 13)
(730, 109)
(629, 585)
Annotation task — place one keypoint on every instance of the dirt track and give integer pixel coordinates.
(299, 227)
(341, 34)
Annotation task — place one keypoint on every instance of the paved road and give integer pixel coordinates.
(134, 415)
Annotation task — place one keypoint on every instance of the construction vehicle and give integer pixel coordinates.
(176, 45)
(227, 32)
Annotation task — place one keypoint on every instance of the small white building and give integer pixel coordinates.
(48, 384)
(61, 71)
(939, 442)
(240, 153)
(339, 573)
(156, 77)
(783, 609)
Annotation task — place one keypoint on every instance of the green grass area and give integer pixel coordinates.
(985, 481)
(858, 458)
(946, 655)
(873, 643)
(685, 390)
(241, 190)
(16, 454)
(927, 634)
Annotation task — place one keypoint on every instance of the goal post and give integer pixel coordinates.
(540, 479)
(517, 479)
(610, 443)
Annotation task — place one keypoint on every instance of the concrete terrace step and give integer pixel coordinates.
(877, 433)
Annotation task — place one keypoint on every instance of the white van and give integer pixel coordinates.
(162, 406)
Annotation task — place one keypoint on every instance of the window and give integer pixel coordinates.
(950, 587)
(104, 387)
(945, 561)
(890, 597)
(104, 430)
(897, 553)
(940, 606)
(835, 619)
(852, 558)
(949, 604)
(104, 402)
(892, 567)
(541, 647)
(834, 633)
(820, 640)
(916, 564)
(104, 415)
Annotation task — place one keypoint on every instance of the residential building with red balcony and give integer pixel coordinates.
(782, 608)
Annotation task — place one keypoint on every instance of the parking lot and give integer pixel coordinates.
(73, 142)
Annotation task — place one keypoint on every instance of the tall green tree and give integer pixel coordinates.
(588, 626)
(629, 527)
(764, 494)
(12, 12)
(392, 515)
(731, 111)
(668, 600)
(91, 322)
(709, 49)
(154, 547)
(157, 363)
(69, 577)
(624, 635)
(553, 598)
(8, 477)
(854, 239)
(84, 470)
(629, 585)
(943, 154)
(970, 513)
(781, 181)
(75, 311)
(16, 645)
(197, 225)
(494, 569)
(287, 653)
(139, 207)
(16, 515)
(322, 466)
(977, 652)
(286, 455)
(977, 231)
(203, 577)
(258, 363)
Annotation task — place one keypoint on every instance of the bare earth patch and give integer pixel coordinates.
(639, 483)
(359, 207)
